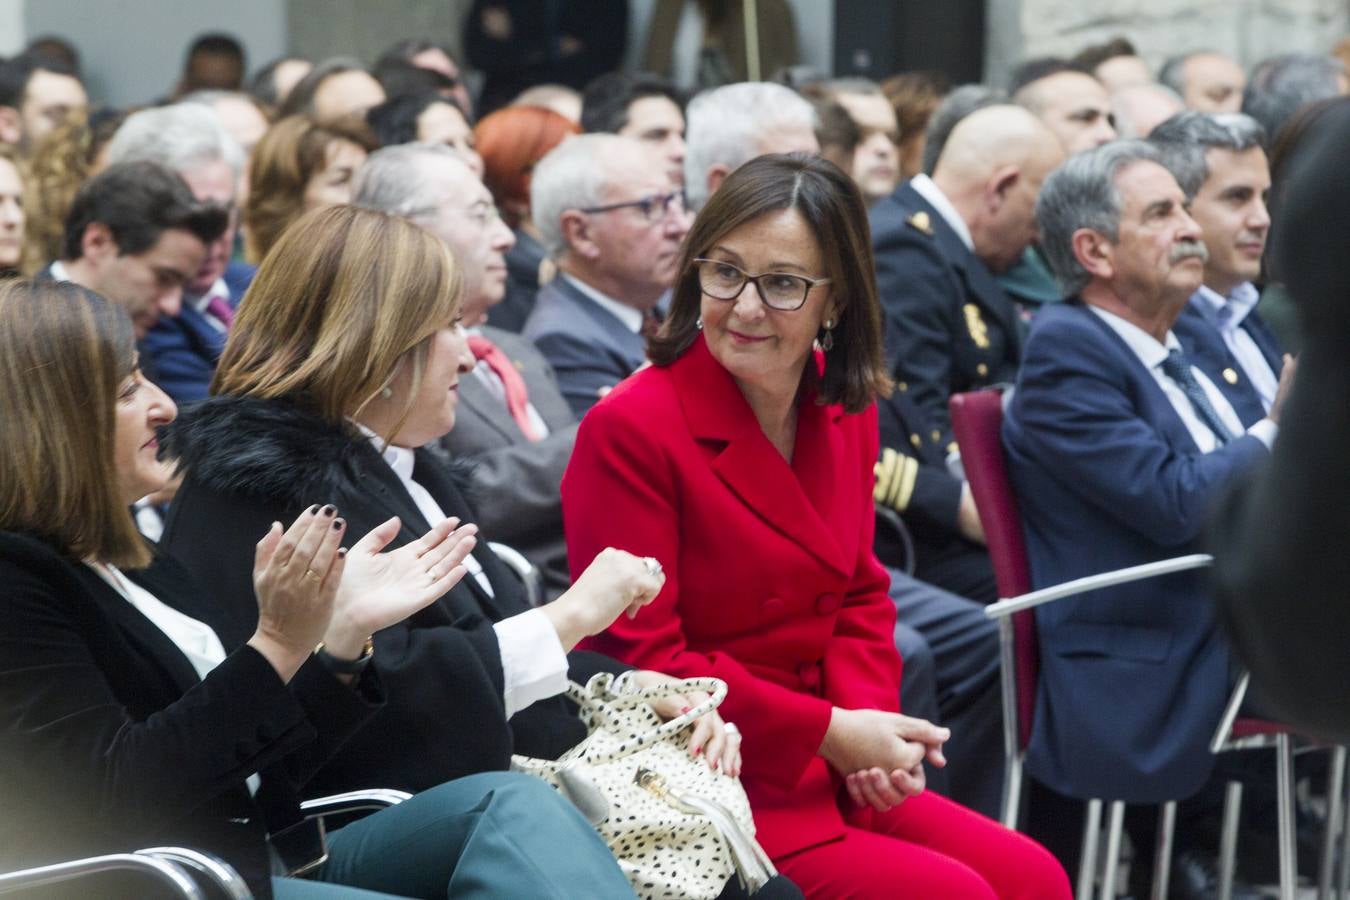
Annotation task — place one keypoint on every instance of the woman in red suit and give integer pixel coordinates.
(742, 460)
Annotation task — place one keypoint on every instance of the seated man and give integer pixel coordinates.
(1207, 81)
(938, 243)
(136, 235)
(613, 219)
(860, 134)
(513, 424)
(190, 140)
(1219, 163)
(642, 106)
(1117, 445)
(37, 94)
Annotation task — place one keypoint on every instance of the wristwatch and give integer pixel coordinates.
(346, 666)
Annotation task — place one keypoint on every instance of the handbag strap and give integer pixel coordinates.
(596, 696)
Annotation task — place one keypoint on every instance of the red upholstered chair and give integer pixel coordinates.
(977, 420)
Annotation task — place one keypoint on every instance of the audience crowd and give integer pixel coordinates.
(287, 353)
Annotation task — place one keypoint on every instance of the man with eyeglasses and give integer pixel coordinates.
(612, 218)
(189, 139)
(513, 424)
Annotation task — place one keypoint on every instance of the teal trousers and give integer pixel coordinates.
(495, 834)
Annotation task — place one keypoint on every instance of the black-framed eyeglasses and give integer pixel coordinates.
(653, 208)
(779, 290)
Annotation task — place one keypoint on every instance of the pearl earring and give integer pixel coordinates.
(698, 323)
(386, 392)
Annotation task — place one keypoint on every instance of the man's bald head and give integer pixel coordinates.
(991, 170)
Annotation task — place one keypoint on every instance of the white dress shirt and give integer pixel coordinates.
(1151, 353)
(195, 640)
(1227, 315)
(219, 289)
(630, 317)
(938, 200)
(534, 664)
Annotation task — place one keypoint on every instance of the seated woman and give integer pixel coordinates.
(12, 216)
(344, 359)
(123, 721)
(297, 166)
(742, 460)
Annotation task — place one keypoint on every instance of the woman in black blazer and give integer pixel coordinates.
(123, 721)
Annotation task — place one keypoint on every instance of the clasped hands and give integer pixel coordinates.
(881, 754)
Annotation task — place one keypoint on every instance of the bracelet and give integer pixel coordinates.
(346, 666)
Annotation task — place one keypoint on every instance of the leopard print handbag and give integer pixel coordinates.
(677, 828)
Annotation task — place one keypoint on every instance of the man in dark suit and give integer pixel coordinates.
(1219, 162)
(939, 241)
(136, 235)
(513, 424)
(1117, 445)
(614, 220)
(189, 139)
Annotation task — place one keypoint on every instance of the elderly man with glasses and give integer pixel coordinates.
(612, 219)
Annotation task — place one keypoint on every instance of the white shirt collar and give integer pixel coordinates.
(1144, 345)
(400, 459)
(929, 191)
(630, 317)
(1231, 310)
(58, 271)
(219, 289)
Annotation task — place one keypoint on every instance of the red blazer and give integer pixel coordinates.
(771, 583)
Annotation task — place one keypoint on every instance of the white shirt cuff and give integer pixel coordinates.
(534, 665)
(1265, 431)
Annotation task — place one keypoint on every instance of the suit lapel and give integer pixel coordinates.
(477, 399)
(795, 500)
(1265, 340)
(145, 635)
(628, 344)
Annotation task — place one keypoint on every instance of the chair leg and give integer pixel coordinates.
(1162, 857)
(1087, 865)
(1232, 815)
(1114, 829)
(1012, 790)
(1012, 752)
(1335, 790)
(1284, 790)
(1343, 871)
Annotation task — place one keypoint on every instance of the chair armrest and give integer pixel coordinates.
(352, 801)
(897, 524)
(1096, 582)
(215, 870)
(169, 874)
(524, 569)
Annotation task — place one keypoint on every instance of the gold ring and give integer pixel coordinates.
(310, 573)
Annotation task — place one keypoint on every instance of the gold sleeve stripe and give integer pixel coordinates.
(909, 473)
(887, 479)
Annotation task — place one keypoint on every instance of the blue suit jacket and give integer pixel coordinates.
(587, 346)
(1134, 678)
(184, 348)
(1198, 331)
(949, 327)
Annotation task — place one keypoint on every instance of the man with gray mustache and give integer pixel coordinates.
(1116, 446)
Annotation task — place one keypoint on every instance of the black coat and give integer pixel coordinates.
(250, 462)
(109, 742)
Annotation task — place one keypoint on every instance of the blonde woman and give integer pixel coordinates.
(125, 722)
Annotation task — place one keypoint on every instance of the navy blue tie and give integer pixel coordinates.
(1176, 368)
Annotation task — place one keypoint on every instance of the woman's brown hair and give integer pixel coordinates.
(829, 202)
(291, 152)
(64, 352)
(346, 297)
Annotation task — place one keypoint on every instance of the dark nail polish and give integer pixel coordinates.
(342, 553)
(330, 510)
(339, 524)
(313, 510)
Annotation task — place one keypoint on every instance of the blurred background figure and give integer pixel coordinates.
(214, 62)
(915, 96)
(1207, 81)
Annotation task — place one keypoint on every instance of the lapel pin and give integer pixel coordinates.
(1230, 375)
(921, 221)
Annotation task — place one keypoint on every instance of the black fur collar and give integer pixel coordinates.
(273, 449)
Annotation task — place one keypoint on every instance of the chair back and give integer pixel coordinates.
(977, 422)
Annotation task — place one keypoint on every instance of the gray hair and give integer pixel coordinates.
(395, 179)
(1281, 85)
(1184, 138)
(573, 175)
(724, 126)
(1173, 71)
(179, 137)
(960, 103)
(1082, 193)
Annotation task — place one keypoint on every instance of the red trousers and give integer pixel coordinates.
(927, 848)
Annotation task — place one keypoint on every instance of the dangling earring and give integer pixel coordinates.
(827, 342)
(698, 323)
